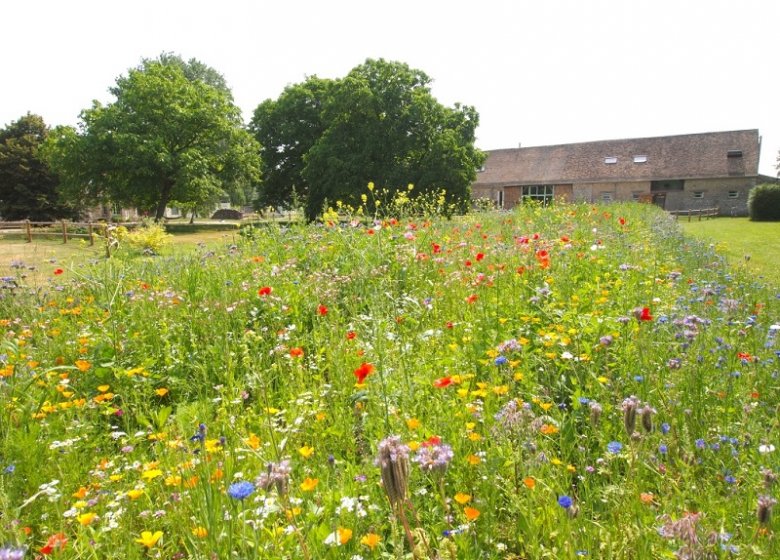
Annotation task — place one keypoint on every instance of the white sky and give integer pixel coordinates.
(538, 71)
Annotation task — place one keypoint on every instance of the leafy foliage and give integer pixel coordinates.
(764, 203)
(28, 188)
(170, 137)
(380, 123)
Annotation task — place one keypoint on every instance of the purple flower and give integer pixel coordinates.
(434, 457)
(10, 553)
(240, 490)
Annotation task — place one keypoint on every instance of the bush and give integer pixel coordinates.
(227, 214)
(149, 238)
(201, 226)
(764, 203)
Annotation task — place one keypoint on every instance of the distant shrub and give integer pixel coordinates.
(764, 203)
(227, 214)
(149, 238)
(200, 226)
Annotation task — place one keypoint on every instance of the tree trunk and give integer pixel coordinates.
(165, 198)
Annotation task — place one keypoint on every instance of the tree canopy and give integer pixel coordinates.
(327, 139)
(173, 136)
(28, 188)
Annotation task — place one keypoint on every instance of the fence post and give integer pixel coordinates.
(28, 229)
(91, 236)
(64, 232)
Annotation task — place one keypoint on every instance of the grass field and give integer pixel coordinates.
(42, 256)
(737, 238)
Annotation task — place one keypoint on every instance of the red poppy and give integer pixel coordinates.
(322, 310)
(622, 221)
(265, 291)
(363, 371)
(351, 335)
(480, 256)
(643, 314)
(472, 298)
(56, 541)
(296, 352)
(58, 271)
(442, 382)
(436, 248)
(431, 441)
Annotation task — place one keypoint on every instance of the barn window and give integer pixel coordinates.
(606, 196)
(610, 160)
(698, 194)
(733, 194)
(640, 159)
(542, 194)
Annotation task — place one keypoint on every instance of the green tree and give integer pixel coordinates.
(28, 188)
(379, 123)
(287, 128)
(173, 136)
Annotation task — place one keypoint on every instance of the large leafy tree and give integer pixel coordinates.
(173, 136)
(379, 123)
(28, 188)
(287, 128)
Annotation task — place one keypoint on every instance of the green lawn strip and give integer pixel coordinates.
(754, 245)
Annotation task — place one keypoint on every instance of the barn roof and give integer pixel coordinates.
(688, 156)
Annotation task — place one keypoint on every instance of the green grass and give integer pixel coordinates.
(738, 238)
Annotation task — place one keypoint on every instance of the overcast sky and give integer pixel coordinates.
(538, 71)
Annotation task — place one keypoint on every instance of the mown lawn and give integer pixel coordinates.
(738, 239)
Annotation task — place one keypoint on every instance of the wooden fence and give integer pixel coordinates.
(64, 229)
(699, 213)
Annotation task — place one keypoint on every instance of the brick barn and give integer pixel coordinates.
(685, 172)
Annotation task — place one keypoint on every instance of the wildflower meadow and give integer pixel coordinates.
(561, 382)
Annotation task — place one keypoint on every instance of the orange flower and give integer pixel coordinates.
(471, 513)
(296, 352)
(371, 540)
(646, 498)
(309, 484)
(345, 535)
(56, 541)
(548, 429)
(529, 482)
(82, 365)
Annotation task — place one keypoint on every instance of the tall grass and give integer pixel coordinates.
(569, 381)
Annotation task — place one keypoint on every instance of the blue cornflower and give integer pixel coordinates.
(614, 447)
(584, 400)
(565, 502)
(9, 469)
(665, 427)
(639, 378)
(663, 449)
(700, 444)
(729, 479)
(240, 490)
(501, 360)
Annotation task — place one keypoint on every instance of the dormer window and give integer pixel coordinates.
(611, 160)
(734, 153)
(640, 159)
